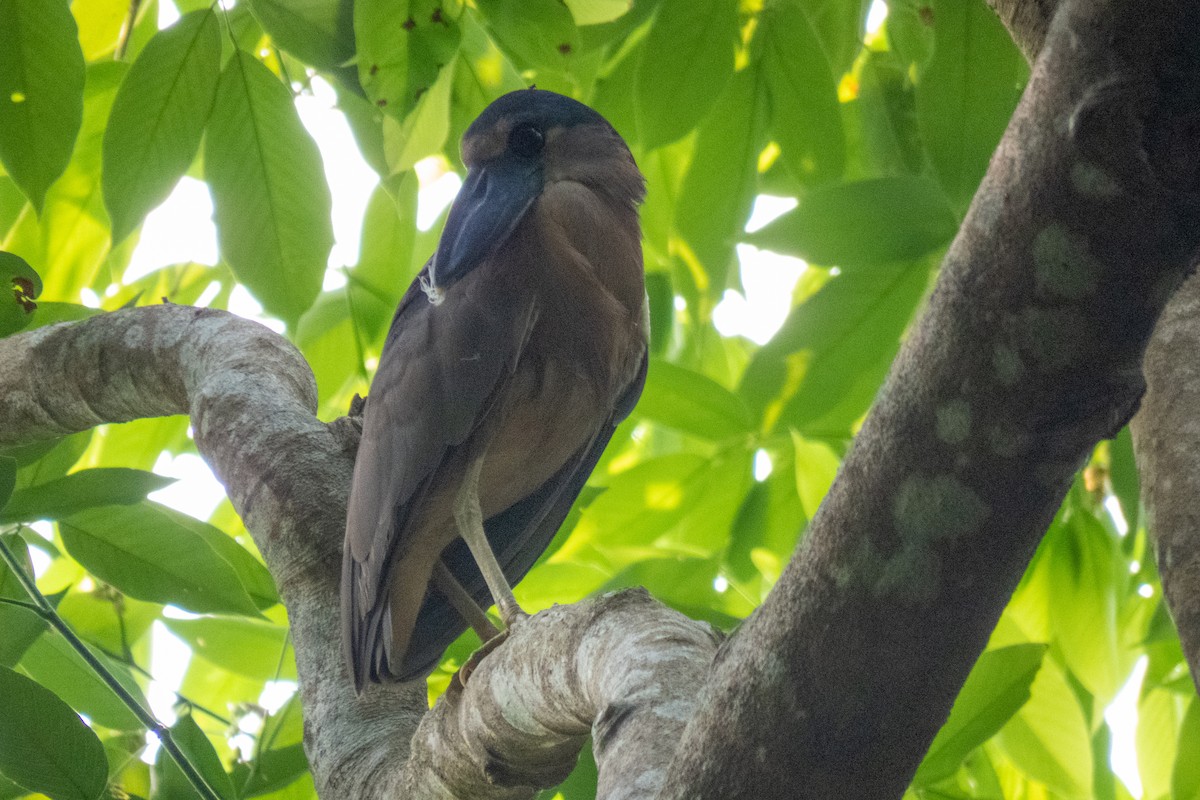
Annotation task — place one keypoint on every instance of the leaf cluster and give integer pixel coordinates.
(875, 137)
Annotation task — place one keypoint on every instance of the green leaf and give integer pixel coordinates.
(158, 117)
(686, 61)
(44, 745)
(597, 12)
(271, 770)
(246, 646)
(910, 31)
(769, 522)
(1159, 716)
(865, 223)
(1049, 738)
(997, 688)
(806, 119)
(19, 287)
(821, 371)
(967, 94)
(170, 782)
(149, 553)
(52, 662)
(402, 47)
(535, 33)
(71, 242)
(269, 191)
(255, 578)
(1086, 568)
(682, 504)
(106, 619)
(1185, 778)
(885, 114)
(423, 132)
(318, 32)
(816, 467)
(718, 189)
(8, 478)
(1125, 480)
(693, 403)
(19, 627)
(87, 488)
(41, 92)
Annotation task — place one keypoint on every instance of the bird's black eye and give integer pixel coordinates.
(526, 140)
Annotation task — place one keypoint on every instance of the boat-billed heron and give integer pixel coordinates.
(511, 358)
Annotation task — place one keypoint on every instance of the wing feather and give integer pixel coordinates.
(437, 378)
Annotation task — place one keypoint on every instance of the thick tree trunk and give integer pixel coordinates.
(1030, 351)
(1166, 430)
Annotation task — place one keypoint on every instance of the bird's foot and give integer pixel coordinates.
(464, 672)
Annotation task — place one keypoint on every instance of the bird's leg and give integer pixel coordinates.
(462, 602)
(469, 518)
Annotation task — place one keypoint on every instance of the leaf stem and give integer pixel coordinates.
(48, 613)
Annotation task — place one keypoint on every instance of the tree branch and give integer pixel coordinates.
(1165, 430)
(528, 708)
(251, 397)
(1028, 353)
(622, 662)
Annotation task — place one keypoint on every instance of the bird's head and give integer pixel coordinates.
(520, 144)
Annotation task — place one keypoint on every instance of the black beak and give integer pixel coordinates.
(486, 211)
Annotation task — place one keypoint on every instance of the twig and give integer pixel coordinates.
(47, 612)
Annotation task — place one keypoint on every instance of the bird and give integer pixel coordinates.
(511, 358)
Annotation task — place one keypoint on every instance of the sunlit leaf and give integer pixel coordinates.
(1185, 780)
(158, 117)
(692, 403)
(1160, 713)
(1049, 738)
(806, 119)
(535, 33)
(597, 12)
(864, 223)
(52, 662)
(686, 61)
(837, 346)
(248, 647)
(84, 489)
(271, 199)
(402, 48)
(816, 467)
(41, 92)
(682, 504)
(424, 130)
(1086, 570)
(19, 287)
(967, 93)
(171, 781)
(69, 243)
(718, 189)
(319, 32)
(150, 554)
(44, 745)
(997, 688)
(19, 627)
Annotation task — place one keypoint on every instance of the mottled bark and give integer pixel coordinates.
(1029, 353)
(528, 707)
(252, 400)
(622, 668)
(1166, 429)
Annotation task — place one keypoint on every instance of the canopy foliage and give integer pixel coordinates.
(879, 137)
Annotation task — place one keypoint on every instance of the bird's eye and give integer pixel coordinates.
(526, 140)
